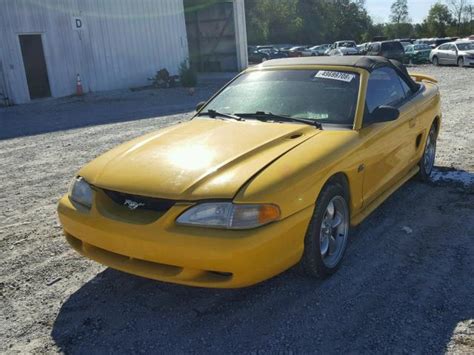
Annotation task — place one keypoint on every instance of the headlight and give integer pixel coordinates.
(229, 215)
(81, 192)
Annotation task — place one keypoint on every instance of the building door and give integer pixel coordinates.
(211, 36)
(35, 66)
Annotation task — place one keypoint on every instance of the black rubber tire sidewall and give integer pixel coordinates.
(311, 263)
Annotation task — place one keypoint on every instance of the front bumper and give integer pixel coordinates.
(155, 247)
(468, 61)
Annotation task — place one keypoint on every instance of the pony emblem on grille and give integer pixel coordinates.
(133, 205)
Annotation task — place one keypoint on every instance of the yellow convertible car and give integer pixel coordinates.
(271, 172)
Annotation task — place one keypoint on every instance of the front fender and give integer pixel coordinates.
(294, 181)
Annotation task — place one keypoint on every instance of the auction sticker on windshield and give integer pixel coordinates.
(335, 75)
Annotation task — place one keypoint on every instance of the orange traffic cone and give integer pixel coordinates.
(79, 91)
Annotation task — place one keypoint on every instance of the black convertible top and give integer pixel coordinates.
(368, 63)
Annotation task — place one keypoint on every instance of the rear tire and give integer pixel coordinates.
(461, 62)
(328, 233)
(435, 61)
(426, 163)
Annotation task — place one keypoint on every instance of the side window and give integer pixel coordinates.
(384, 88)
(444, 47)
(406, 88)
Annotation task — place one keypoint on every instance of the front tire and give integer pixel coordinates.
(435, 61)
(426, 163)
(328, 232)
(461, 62)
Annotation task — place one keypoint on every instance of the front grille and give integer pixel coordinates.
(141, 202)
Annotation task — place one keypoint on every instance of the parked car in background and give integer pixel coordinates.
(362, 48)
(343, 48)
(315, 50)
(459, 53)
(406, 40)
(344, 44)
(261, 54)
(297, 51)
(387, 49)
(428, 41)
(342, 51)
(405, 44)
(417, 53)
(435, 42)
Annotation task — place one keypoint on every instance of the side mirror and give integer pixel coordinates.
(383, 114)
(200, 105)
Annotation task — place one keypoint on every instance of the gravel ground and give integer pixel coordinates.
(405, 286)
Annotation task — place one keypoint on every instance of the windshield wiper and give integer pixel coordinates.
(268, 116)
(214, 114)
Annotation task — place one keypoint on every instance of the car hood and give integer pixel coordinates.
(348, 50)
(199, 159)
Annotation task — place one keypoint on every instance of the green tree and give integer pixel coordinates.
(399, 30)
(399, 12)
(457, 8)
(438, 21)
(306, 21)
(400, 26)
(272, 21)
(348, 20)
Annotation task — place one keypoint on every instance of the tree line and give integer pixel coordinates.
(325, 21)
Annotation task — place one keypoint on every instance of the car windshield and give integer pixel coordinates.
(327, 96)
(390, 46)
(347, 44)
(465, 46)
(422, 46)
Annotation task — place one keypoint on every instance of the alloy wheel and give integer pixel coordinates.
(430, 152)
(334, 231)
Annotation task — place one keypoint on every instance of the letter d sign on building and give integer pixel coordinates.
(77, 23)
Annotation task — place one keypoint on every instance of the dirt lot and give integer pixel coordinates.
(406, 285)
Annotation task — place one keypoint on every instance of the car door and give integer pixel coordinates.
(388, 147)
(442, 54)
(452, 54)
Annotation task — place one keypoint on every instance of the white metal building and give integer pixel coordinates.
(112, 44)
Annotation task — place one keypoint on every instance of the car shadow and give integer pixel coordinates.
(404, 287)
(59, 114)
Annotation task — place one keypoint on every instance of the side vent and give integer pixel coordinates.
(418, 140)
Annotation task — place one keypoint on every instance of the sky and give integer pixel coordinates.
(380, 10)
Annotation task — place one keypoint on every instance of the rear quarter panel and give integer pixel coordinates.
(429, 111)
